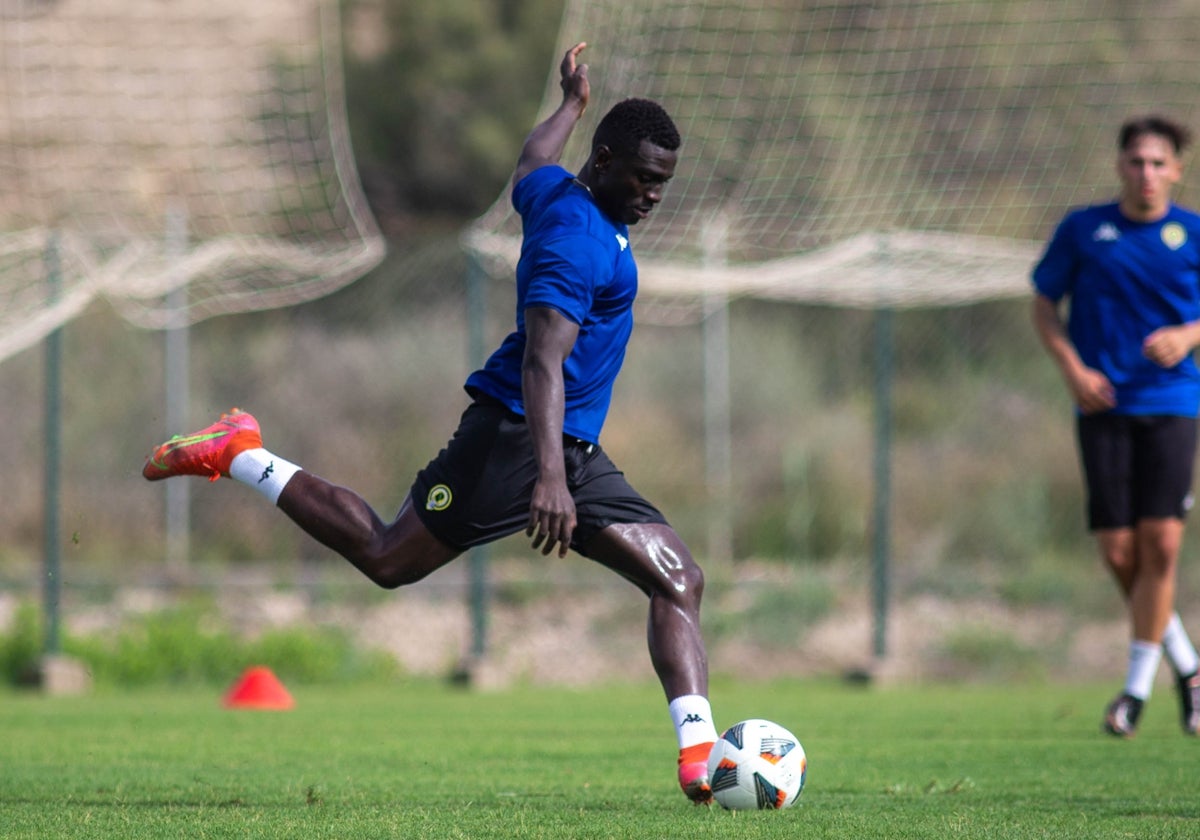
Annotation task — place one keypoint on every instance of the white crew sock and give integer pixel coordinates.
(263, 471)
(693, 721)
(1180, 651)
(1143, 665)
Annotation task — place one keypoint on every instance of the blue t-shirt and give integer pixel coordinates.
(1126, 279)
(577, 261)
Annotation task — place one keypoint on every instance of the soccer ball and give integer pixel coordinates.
(757, 764)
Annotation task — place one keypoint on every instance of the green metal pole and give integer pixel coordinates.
(881, 514)
(478, 560)
(51, 581)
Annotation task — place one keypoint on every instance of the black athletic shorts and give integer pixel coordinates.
(1136, 466)
(478, 489)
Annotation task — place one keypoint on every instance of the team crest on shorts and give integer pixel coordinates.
(1173, 235)
(439, 497)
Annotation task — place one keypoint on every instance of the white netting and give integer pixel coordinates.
(149, 147)
(871, 154)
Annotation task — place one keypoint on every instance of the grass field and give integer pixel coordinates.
(423, 760)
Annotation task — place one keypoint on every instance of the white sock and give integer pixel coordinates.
(1143, 665)
(263, 471)
(1180, 651)
(693, 721)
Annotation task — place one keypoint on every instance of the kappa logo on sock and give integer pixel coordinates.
(267, 473)
(693, 718)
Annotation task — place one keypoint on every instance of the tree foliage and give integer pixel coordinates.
(441, 94)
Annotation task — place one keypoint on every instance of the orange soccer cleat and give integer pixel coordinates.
(207, 452)
(693, 773)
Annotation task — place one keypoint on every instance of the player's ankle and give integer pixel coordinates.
(266, 473)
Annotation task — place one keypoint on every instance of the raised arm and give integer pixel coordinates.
(544, 145)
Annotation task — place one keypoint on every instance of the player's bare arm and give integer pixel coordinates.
(545, 144)
(549, 339)
(1168, 346)
(1090, 389)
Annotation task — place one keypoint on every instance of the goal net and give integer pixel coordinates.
(870, 154)
(181, 160)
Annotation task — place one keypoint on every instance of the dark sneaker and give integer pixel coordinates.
(1189, 703)
(1122, 716)
(207, 452)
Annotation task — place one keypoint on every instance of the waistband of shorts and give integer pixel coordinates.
(568, 440)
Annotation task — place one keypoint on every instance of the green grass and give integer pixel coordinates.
(422, 760)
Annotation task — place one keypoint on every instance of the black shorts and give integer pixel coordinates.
(478, 489)
(1136, 467)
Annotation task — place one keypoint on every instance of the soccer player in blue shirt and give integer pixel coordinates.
(1131, 271)
(527, 453)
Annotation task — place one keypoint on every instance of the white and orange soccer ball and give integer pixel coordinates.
(757, 764)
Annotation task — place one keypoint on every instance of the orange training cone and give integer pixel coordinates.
(258, 688)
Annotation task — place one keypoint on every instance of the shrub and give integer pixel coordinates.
(20, 649)
(188, 645)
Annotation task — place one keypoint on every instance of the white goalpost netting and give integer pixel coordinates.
(870, 154)
(181, 160)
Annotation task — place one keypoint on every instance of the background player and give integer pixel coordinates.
(1132, 272)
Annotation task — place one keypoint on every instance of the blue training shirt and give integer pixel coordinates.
(1126, 279)
(577, 261)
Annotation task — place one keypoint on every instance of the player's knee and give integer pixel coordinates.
(388, 580)
(1160, 560)
(1121, 560)
(687, 584)
(696, 587)
(394, 578)
(1158, 545)
(387, 571)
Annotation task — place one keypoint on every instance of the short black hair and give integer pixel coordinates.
(1178, 135)
(630, 122)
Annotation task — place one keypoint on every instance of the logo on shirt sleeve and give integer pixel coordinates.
(622, 241)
